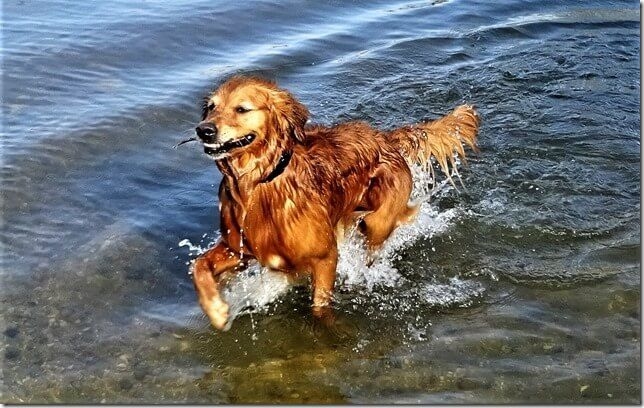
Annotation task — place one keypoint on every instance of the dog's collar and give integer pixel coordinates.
(285, 158)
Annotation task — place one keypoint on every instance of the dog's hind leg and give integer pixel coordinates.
(388, 198)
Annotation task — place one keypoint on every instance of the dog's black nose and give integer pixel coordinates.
(206, 132)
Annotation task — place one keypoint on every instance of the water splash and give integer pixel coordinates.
(352, 263)
(194, 250)
(456, 293)
(197, 249)
(253, 289)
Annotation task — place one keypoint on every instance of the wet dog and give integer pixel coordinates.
(289, 190)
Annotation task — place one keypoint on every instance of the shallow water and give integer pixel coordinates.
(522, 286)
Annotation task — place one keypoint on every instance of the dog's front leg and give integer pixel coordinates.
(205, 275)
(323, 279)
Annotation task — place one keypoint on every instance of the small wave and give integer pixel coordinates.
(456, 293)
(552, 275)
(577, 16)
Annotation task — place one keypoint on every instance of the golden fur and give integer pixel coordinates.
(336, 176)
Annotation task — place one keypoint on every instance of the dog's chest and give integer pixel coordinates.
(277, 231)
(266, 242)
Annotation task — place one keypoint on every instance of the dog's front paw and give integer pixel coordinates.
(326, 324)
(208, 292)
(217, 311)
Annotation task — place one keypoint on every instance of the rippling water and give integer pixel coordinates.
(523, 286)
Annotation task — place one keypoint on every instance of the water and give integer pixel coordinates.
(522, 286)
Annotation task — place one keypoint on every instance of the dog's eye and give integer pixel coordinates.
(241, 109)
(211, 106)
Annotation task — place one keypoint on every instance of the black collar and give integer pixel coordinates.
(285, 158)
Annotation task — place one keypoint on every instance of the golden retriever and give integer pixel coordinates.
(289, 189)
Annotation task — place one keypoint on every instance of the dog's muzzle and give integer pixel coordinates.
(215, 149)
(207, 132)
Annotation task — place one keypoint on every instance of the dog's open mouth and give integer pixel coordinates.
(216, 149)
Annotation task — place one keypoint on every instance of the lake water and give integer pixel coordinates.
(522, 286)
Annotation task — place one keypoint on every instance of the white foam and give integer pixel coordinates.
(191, 247)
(352, 264)
(457, 293)
(253, 289)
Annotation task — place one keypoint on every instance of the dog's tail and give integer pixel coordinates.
(442, 139)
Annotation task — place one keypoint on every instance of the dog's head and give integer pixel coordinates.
(249, 112)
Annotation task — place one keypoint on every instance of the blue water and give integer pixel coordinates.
(523, 287)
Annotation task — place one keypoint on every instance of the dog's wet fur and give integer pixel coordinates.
(290, 190)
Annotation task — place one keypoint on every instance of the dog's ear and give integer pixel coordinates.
(291, 115)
